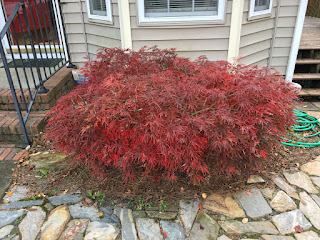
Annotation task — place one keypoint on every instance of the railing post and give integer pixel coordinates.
(42, 89)
(70, 65)
(13, 92)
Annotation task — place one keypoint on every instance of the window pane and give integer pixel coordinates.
(261, 5)
(167, 8)
(98, 7)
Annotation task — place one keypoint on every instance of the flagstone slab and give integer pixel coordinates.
(65, 199)
(223, 237)
(148, 229)
(309, 235)
(316, 198)
(5, 231)
(75, 229)
(301, 180)
(250, 228)
(283, 185)
(128, 231)
(188, 213)
(268, 193)
(16, 193)
(254, 203)
(204, 228)
(255, 179)
(31, 224)
(311, 168)
(316, 181)
(80, 211)
(162, 215)
(56, 222)
(224, 205)
(7, 217)
(49, 161)
(310, 209)
(101, 231)
(286, 222)
(282, 202)
(274, 237)
(173, 230)
(22, 204)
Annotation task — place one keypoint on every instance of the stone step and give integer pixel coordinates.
(58, 85)
(306, 76)
(308, 61)
(10, 129)
(309, 92)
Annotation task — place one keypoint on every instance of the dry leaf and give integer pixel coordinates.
(120, 204)
(32, 210)
(95, 204)
(65, 191)
(298, 229)
(9, 194)
(204, 195)
(5, 201)
(303, 202)
(201, 227)
(100, 214)
(248, 192)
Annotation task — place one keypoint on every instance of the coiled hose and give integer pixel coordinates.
(305, 123)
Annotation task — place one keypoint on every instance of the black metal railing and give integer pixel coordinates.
(33, 46)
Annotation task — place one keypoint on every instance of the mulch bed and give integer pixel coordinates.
(79, 179)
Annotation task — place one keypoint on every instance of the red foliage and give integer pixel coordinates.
(169, 116)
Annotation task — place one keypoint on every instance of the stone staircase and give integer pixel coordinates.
(10, 131)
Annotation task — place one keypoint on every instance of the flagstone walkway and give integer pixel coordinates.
(289, 211)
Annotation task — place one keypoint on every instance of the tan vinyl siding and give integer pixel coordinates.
(256, 36)
(190, 41)
(97, 33)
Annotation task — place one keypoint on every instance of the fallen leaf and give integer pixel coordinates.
(201, 227)
(52, 180)
(95, 204)
(31, 167)
(245, 220)
(6, 201)
(32, 210)
(120, 204)
(165, 234)
(248, 192)
(182, 189)
(148, 198)
(204, 195)
(100, 214)
(65, 191)
(298, 229)
(200, 207)
(303, 202)
(9, 194)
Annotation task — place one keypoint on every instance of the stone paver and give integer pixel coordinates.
(310, 209)
(22, 204)
(75, 229)
(5, 231)
(7, 217)
(268, 192)
(309, 235)
(31, 224)
(223, 237)
(225, 205)
(283, 185)
(204, 228)
(254, 203)
(301, 180)
(188, 213)
(315, 180)
(255, 179)
(173, 230)
(80, 211)
(273, 237)
(250, 228)
(282, 202)
(55, 224)
(311, 168)
(316, 198)
(16, 193)
(129, 231)
(101, 231)
(148, 229)
(286, 222)
(162, 215)
(65, 199)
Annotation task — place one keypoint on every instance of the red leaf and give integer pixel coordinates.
(263, 153)
(165, 234)
(298, 229)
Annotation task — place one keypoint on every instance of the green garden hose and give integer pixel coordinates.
(306, 123)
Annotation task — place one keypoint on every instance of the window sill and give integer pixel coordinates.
(100, 21)
(179, 22)
(260, 16)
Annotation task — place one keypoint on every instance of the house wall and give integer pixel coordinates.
(258, 37)
(258, 40)
(86, 36)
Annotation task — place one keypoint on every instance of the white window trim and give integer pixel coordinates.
(98, 17)
(182, 19)
(252, 13)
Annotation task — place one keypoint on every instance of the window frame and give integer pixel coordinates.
(219, 18)
(258, 13)
(107, 18)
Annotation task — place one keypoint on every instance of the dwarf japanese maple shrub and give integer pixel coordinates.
(168, 115)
